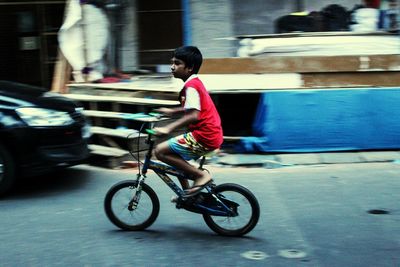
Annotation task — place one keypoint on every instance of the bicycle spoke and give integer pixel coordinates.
(244, 206)
(119, 209)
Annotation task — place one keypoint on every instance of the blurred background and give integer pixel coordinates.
(142, 33)
(259, 58)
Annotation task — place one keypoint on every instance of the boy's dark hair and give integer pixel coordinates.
(191, 55)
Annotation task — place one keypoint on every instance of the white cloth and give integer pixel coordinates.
(366, 20)
(84, 36)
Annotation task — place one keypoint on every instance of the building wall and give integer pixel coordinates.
(128, 52)
(316, 5)
(258, 16)
(212, 28)
(213, 22)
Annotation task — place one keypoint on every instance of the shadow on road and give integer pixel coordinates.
(180, 233)
(55, 182)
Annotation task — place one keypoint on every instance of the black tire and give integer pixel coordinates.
(243, 197)
(116, 206)
(7, 170)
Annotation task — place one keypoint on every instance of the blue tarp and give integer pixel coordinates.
(326, 120)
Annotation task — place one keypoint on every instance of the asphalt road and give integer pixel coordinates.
(310, 216)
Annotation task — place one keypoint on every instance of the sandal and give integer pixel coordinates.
(194, 190)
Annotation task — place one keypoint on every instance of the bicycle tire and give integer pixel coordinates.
(224, 191)
(123, 192)
(7, 170)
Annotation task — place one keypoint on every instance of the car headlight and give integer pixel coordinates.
(44, 117)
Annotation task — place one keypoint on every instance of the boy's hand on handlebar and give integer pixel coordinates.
(165, 111)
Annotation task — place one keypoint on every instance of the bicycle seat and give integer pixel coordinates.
(211, 153)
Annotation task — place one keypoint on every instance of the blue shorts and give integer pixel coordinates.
(187, 147)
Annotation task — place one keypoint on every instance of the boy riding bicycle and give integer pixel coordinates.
(199, 114)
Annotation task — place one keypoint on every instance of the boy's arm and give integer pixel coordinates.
(190, 116)
(170, 111)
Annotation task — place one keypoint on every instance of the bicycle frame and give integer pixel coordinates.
(221, 200)
(162, 169)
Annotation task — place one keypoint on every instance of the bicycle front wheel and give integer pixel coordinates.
(245, 207)
(131, 215)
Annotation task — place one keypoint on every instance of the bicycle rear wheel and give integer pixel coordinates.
(245, 206)
(120, 211)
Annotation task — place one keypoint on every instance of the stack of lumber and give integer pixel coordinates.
(109, 106)
(116, 114)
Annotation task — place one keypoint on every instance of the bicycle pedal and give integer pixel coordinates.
(199, 198)
(187, 201)
(180, 202)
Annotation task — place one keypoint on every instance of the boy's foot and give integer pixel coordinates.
(198, 185)
(174, 199)
(196, 189)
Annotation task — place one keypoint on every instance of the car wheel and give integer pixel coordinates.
(7, 170)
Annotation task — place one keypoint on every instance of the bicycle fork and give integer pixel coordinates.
(133, 203)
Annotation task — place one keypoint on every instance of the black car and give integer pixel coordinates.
(40, 131)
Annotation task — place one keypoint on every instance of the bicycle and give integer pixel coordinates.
(133, 205)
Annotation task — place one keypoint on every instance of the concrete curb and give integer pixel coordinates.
(296, 159)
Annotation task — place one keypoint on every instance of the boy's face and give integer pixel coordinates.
(179, 69)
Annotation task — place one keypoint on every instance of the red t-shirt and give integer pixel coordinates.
(207, 130)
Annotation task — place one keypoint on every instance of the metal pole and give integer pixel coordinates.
(83, 25)
(299, 5)
(186, 18)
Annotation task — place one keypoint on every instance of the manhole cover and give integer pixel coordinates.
(378, 212)
(254, 255)
(292, 253)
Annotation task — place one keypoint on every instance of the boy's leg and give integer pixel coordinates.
(164, 153)
(184, 183)
(160, 151)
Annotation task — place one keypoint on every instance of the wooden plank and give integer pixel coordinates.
(234, 83)
(300, 64)
(120, 115)
(127, 100)
(107, 151)
(312, 34)
(129, 86)
(61, 75)
(62, 69)
(107, 157)
(135, 93)
(243, 83)
(109, 141)
(257, 83)
(353, 80)
(122, 133)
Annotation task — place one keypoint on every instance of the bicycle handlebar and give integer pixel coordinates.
(150, 131)
(156, 114)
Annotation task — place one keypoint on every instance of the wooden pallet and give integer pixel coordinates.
(110, 106)
(109, 157)
(124, 100)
